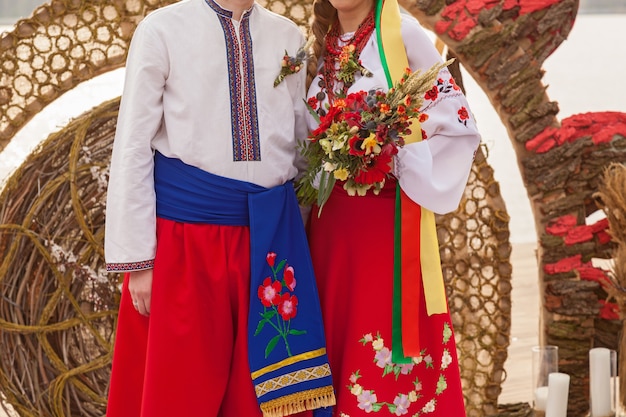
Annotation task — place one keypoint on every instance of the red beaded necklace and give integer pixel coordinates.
(336, 54)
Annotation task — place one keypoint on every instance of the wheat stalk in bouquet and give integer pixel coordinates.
(415, 85)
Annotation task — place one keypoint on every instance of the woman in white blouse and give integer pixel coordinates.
(352, 240)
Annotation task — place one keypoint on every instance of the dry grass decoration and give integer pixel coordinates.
(611, 197)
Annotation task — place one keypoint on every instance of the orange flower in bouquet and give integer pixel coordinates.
(359, 134)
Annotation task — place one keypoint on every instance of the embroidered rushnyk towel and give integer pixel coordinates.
(286, 343)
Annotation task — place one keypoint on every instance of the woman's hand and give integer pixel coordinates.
(140, 288)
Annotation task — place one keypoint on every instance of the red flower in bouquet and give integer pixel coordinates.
(358, 136)
(327, 121)
(376, 172)
(355, 143)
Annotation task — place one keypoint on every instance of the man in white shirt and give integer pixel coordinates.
(200, 204)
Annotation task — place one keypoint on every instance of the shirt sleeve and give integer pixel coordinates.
(301, 129)
(130, 234)
(434, 172)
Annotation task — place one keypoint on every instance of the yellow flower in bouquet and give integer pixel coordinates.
(358, 136)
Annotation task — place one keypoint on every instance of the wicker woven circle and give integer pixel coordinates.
(58, 306)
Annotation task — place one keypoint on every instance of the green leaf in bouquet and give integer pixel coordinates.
(327, 182)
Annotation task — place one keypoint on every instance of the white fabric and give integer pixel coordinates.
(434, 172)
(176, 99)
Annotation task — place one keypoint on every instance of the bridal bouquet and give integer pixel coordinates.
(358, 136)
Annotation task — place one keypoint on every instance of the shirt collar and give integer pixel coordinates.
(225, 12)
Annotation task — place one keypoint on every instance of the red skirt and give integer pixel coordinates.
(189, 358)
(352, 249)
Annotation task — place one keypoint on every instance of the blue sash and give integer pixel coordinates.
(286, 344)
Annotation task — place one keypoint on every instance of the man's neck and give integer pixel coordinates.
(238, 7)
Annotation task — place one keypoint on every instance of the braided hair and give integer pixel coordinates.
(324, 15)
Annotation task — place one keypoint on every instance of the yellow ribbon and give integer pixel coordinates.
(397, 62)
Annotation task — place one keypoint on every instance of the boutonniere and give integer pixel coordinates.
(292, 64)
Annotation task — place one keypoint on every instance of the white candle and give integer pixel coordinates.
(600, 382)
(541, 398)
(558, 392)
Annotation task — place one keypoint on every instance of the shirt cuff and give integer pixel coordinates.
(130, 266)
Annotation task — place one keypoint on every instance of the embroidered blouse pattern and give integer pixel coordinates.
(243, 103)
(445, 87)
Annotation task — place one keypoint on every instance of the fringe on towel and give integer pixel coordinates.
(298, 402)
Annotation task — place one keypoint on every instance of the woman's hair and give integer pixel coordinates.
(324, 14)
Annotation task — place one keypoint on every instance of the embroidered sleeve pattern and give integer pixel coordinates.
(445, 90)
(130, 266)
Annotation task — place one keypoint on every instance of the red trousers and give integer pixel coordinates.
(189, 358)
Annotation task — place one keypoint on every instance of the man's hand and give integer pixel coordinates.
(140, 288)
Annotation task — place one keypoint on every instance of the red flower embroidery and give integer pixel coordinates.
(269, 292)
(271, 258)
(432, 94)
(454, 84)
(463, 115)
(288, 306)
(289, 277)
(279, 304)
